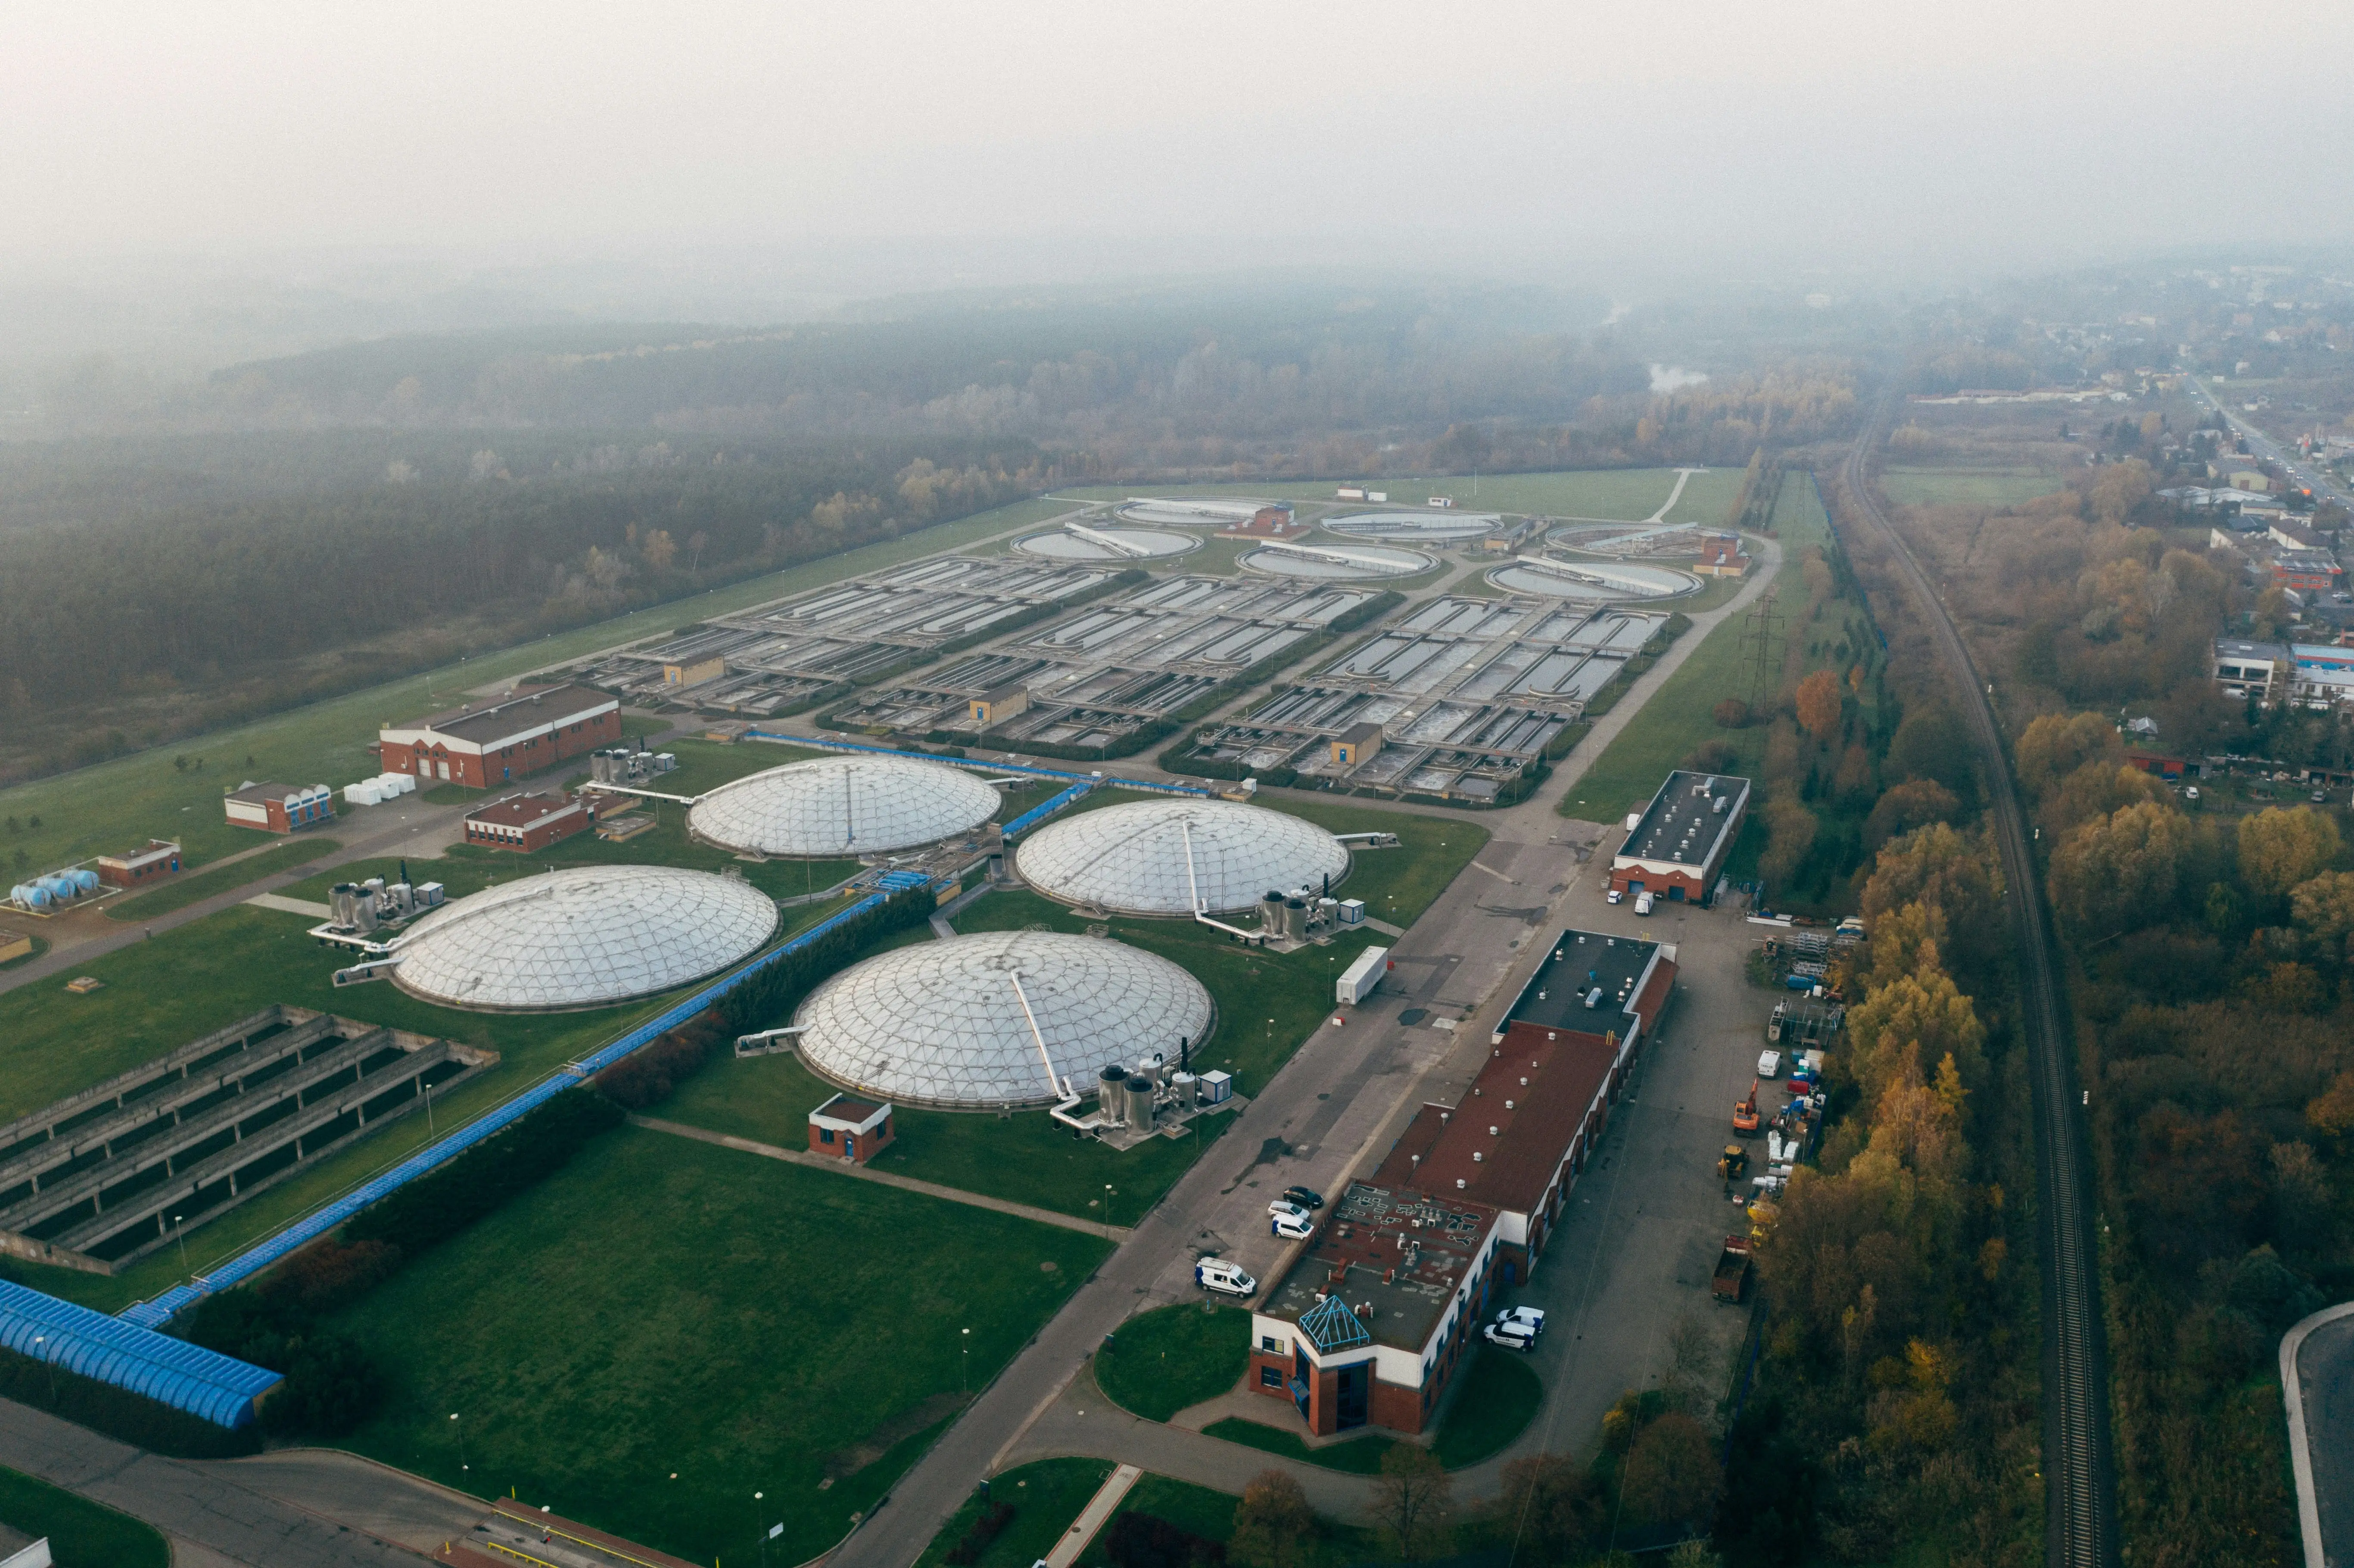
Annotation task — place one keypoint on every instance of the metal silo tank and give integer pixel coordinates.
(1111, 1093)
(1140, 1102)
(1186, 1088)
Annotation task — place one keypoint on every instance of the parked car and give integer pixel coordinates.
(1769, 1064)
(2190, 793)
(1615, 894)
(1529, 1317)
(1512, 1336)
(1226, 1279)
(1306, 1197)
(1283, 1206)
(1643, 901)
(1292, 1227)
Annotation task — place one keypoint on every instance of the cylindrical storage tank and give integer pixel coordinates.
(1112, 1094)
(1295, 918)
(86, 881)
(58, 888)
(1187, 1088)
(25, 895)
(1139, 1101)
(1270, 913)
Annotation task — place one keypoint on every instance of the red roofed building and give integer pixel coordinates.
(1372, 1319)
(485, 745)
(1721, 556)
(527, 823)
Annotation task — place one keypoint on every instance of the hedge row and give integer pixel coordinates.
(511, 1161)
(646, 1076)
(776, 990)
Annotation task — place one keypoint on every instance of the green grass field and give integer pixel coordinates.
(663, 1308)
(102, 808)
(80, 1534)
(1680, 716)
(1626, 495)
(1172, 1358)
(1965, 486)
(1045, 1497)
(188, 982)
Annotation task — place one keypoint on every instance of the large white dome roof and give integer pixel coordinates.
(582, 937)
(1133, 859)
(843, 805)
(943, 1023)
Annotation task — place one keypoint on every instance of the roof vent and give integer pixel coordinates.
(1476, 1157)
(1508, 1105)
(1495, 1132)
(1458, 1182)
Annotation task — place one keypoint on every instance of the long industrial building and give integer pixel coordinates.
(485, 744)
(1372, 1319)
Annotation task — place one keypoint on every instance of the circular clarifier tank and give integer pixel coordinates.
(1336, 563)
(584, 938)
(832, 806)
(1173, 857)
(1114, 543)
(1594, 582)
(977, 1022)
(1439, 525)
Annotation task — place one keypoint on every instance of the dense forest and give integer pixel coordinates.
(205, 591)
(2206, 943)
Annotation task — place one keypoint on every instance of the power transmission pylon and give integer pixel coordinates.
(1761, 641)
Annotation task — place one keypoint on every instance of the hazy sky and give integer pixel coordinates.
(1505, 134)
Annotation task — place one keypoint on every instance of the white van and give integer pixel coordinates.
(1227, 1279)
(1643, 902)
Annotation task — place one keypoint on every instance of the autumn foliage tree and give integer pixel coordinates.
(1817, 702)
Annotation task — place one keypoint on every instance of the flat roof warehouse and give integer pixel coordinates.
(1679, 843)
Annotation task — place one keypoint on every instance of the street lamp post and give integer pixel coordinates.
(180, 1234)
(462, 1465)
(1107, 1197)
(38, 1340)
(964, 1378)
(760, 1527)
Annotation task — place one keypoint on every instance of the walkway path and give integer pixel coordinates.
(1093, 1517)
(225, 1511)
(2316, 1360)
(868, 1173)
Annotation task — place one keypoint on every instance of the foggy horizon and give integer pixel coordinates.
(831, 157)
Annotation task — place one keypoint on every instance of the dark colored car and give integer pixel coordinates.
(1306, 1197)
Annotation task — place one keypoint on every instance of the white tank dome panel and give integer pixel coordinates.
(949, 1024)
(583, 938)
(1134, 859)
(844, 806)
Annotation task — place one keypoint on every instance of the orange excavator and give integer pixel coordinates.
(1744, 1115)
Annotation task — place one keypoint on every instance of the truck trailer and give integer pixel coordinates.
(1358, 981)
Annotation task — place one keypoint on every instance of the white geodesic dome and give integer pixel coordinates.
(582, 937)
(843, 806)
(1158, 857)
(951, 1022)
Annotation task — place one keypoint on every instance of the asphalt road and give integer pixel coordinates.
(229, 1512)
(2322, 1348)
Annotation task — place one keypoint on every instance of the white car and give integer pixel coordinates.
(1512, 1336)
(1284, 1208)
(1769, 1064)
(1531, 1319)
(1225, 1278)
(1292, 1227)
(1615, 894)
(1643, 902)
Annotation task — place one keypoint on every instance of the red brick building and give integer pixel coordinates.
(855, 1130)
(279, 807)
(485, 745)
(160, 857)
(1372, 1319)
(1721, 556)
(1678, 848)
(527, 823)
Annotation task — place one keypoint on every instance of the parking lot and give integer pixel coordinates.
(1638, 1241)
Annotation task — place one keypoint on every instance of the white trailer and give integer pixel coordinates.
(1358, 981)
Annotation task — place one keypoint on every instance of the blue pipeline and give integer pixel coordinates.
(162, 1309)
(979, 765)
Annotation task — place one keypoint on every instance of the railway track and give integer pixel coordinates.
(2080, 1512)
